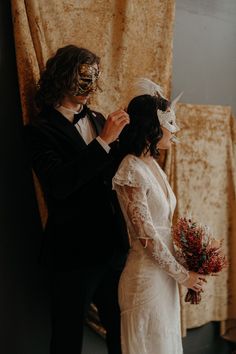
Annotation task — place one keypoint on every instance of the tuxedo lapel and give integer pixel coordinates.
(65, 128)
(68, 131)
(97, 120)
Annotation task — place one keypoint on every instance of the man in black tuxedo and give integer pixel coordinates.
(73, 153)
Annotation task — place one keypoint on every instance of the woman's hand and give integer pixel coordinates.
(195, 282)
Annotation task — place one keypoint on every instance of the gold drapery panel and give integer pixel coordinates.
(202, 171)
(133, 38)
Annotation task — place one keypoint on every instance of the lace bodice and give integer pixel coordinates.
(148, 211)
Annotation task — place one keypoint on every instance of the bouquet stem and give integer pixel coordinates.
(193, 297)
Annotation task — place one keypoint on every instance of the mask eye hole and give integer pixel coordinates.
(85, 81)
(171, 122)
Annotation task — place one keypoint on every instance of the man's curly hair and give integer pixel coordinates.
(60, 75)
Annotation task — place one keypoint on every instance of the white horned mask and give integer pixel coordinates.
(167, 119)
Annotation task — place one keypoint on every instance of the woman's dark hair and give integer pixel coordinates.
(61, 74)
(144, 131)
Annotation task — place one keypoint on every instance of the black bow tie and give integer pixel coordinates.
(80, 115)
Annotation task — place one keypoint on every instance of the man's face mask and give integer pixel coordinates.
(87, 79)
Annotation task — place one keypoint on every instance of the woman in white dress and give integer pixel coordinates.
(148, 288)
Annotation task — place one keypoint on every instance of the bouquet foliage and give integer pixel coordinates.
(197, 251)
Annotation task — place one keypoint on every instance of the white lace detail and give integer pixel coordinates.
(167, 262)
(133, 201)
(129, 173)
(132, 187)
(148, 290)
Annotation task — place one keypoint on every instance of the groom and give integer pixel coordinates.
(73, 152)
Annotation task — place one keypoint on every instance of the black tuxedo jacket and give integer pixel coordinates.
(85, 225)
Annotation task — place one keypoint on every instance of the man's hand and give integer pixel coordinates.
(115, 122)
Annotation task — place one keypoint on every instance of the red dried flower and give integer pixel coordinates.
(197, 251)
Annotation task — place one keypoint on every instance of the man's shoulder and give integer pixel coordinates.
(36, 124)
(43, 119)
(39, 127)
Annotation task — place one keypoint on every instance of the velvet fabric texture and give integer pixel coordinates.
(202, 173)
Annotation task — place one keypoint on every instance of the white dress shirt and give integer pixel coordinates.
(84, 126)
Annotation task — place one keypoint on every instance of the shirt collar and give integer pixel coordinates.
(67, 112)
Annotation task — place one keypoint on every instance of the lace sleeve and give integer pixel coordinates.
(133, 201)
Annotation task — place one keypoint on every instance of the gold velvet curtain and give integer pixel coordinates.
(202, 171)
(134, 38)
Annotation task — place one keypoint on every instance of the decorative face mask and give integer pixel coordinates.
(87, 79)
(144, 86)
(167, 119)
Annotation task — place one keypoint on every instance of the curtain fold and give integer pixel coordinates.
(133, 38)
(202, 171)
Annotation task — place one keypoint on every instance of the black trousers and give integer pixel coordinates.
(72, 293)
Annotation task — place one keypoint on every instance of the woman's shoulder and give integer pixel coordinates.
(131, 163)
(129, 160)
(130, 172)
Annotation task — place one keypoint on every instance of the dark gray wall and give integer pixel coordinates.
(23, 286)
(204, 63)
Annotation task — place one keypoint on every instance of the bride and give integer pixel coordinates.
(148, 288)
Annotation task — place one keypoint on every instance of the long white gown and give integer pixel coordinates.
(148, 289)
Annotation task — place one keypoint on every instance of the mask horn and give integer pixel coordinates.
(173, 103)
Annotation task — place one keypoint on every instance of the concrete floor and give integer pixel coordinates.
(202, 340)
(93, 342)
